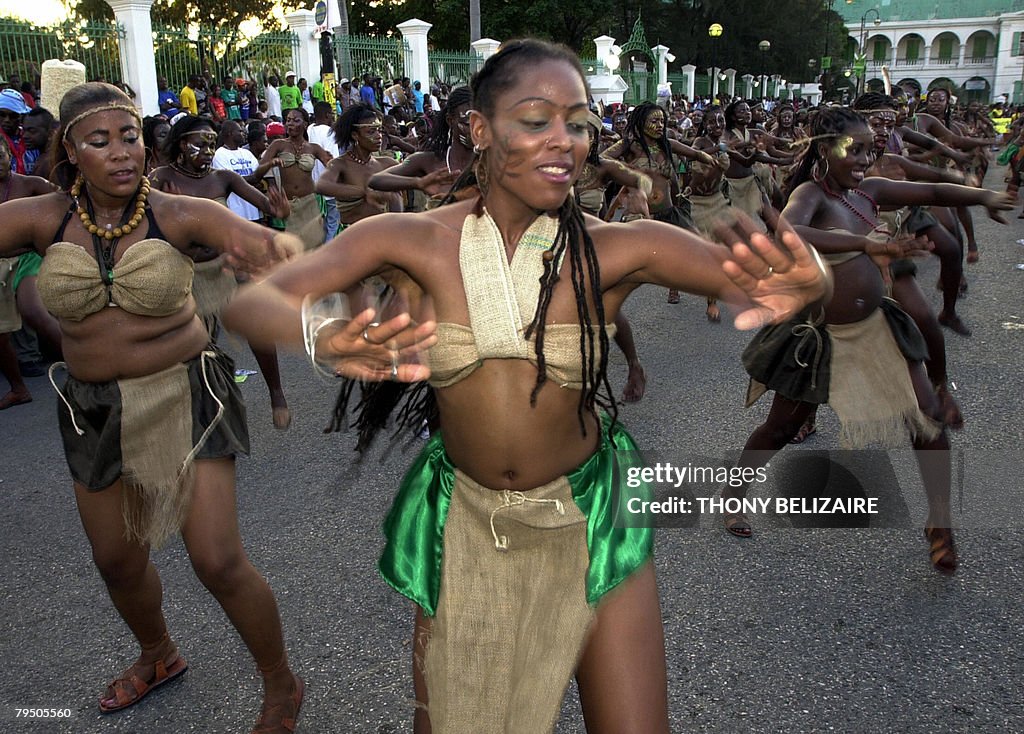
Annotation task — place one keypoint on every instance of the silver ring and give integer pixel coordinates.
(394, 371)
(770, 271)
(366, 336)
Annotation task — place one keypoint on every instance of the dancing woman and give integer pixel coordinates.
(523, 287)
(861, 337)
(150, 415)
(297, 156)
(191, 145)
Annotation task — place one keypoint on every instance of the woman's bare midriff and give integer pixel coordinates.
(493, 434)
(114, 344)
(858, 291)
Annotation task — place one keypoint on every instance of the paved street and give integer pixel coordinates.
(793, 630)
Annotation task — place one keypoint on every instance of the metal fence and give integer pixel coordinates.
(181, 53)
(24, 47)
(643, 86)
(454, 68)
(387, 58)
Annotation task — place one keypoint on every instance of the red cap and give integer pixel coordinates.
(275, 128)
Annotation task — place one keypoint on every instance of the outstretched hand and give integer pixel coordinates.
(997, 202)
(438, 182)
(779, 279)
(364, 350)
(257, 255)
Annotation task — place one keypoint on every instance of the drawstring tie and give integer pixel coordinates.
(805, 332)
(511, 498)
(206, 355)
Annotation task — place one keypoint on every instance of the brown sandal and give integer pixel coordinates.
(282, 718)
(942, 552)
(738, 524)
(129, 689)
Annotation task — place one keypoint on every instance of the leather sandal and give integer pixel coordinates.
(282, 718)
(738, 524)
(942, 550)
(129, 689)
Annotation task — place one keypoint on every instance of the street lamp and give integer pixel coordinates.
(863, 44)
(715, 32)
(764, 47)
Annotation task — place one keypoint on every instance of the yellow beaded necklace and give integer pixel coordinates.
(120, 231)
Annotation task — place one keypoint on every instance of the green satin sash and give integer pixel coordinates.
(414, 527)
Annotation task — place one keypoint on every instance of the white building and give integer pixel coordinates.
(971, 46)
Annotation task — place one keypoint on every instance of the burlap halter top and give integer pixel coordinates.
(152, 278)
(502, 300)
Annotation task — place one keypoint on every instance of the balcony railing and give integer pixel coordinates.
(944, 62)
(909, 62)
(979, 60)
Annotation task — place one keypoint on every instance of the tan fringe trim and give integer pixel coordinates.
(870, 387)
(212, 286)
(305, 221)
(156, 440)
(512, 615)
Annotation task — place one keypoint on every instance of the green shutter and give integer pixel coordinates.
(946, 48)
(981, 46)
(1015, 45)
(912, 49)
(879, 54)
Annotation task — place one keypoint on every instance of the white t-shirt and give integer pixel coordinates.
(243, 163)
(273, 101)
(322, 135)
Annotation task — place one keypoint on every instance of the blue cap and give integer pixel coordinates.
(11, 99)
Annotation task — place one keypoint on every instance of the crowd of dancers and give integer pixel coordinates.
(505, 247)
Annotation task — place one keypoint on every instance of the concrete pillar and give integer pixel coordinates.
(138, 62)
(748, 85)
(303, 24)
(927, 55)
(963, 53)
(417, 66)
(604, 44)
(664, 57)
(730, 80)
(485, 48)
(691, 80)
(713, 73)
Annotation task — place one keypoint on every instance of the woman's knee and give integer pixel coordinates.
(120, 567)
(221, 569)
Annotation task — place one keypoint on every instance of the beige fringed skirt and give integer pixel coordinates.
(305, 222)
(148, 431)
(745, 195)
(706, 210)
(503, 647)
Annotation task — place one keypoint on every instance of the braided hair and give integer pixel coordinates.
(711, 111)
(572, 242)
(184, 126)
(948, 111)
(830, 122)
(441, 135)
(634, 132)
(874, 101)
(357, 114)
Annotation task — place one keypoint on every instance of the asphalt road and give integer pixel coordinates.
(794, 630)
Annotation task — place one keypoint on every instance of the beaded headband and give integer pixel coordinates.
(101, 108)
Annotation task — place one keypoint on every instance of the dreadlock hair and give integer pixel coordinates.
(730, 112)
(830, 122)
(441, 134)
(572, 243)
(185, 126)
(634, 132)
(357, 114)
(874, 101)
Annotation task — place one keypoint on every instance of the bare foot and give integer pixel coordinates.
(636, 384)
(13, 398)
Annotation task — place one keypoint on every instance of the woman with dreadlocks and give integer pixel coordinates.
(503, 531)
(445, 153)
(647, 148)
(860, 337)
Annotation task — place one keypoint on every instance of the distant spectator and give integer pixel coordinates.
(346, 96)
(12, 109)
(168, 100)
(218, 110)
(307, 98)
(291, 95)
(24, 88)
(367, 95)
(417, 97)
(317, 92)
(273, 97)
(229, 96)
(187, 98)
(37, 130)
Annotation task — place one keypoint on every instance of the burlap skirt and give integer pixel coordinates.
(148, 431)
(745, 195)
(512, 614)
(592, 201)
(305, 222)
(511, 579)
(707, 210)
(10, 319)
(860, 369)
